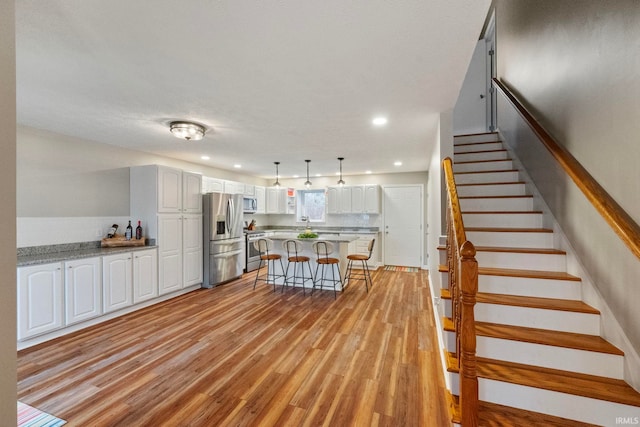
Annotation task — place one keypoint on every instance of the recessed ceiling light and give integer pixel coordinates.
(379, 121)
(318, 174)
(397, 163)
(296, 176)
(237, 166)
(368, 172)
(337, 173)
(205, 157)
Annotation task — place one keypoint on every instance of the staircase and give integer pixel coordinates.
(540, 359)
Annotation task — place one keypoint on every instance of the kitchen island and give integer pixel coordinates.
(340, 251)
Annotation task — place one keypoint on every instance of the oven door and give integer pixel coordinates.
(253, 256)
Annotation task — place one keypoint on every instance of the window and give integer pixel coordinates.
(310, 205)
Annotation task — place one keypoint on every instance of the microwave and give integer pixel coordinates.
(249, 205)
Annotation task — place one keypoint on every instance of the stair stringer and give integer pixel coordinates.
(610, 328)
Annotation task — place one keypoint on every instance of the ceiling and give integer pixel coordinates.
(270, 80)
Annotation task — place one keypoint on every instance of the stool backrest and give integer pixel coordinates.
(322, 249)
(370, 247)
(292, 247)
(264, 246)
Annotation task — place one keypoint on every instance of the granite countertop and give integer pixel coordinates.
(321, 230)
(56, 253)
(332, 238)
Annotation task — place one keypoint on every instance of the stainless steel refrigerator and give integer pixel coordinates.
(224, 241)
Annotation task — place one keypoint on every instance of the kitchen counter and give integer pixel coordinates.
(57, 253)
(328, 237)
(320, 229)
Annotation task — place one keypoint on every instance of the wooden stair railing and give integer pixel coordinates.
(463, 285)
(619, 220)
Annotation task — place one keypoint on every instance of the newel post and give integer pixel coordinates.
(468, 377)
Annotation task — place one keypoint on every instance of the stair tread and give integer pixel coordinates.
(501, 212)
(536, 302)
(509, 230)
(481, 161)
(547, 337)
(531, 274)
(548, 251)
(492, 171)
(471, 184)
(495, 197)
(463, 135)
(500, 150)
(595, 387)
(492, 414)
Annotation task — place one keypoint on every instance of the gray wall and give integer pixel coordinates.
(7, 214)
(576, 64)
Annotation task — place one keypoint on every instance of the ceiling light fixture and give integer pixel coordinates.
(237, 166)
(277, 183)
(398, 163)
(307, 183)
(341, 181)
(205, 157)
(187, 130)
(379, 121)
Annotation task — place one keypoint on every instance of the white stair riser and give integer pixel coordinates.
(511, 239)
(483, 166)
(502, 220)
(486, 177)
(461, 148)
(530, 287)
(566, 359)
(454, 381)
(480, 137)
(563, 405)
(522, 261)
(481, 155)
(486, 190)
(509, 204)
(581, 323)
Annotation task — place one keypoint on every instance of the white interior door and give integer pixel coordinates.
(403, 225)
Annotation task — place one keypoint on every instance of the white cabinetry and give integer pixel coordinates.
(353, 199)
(40, 299)
(212, 185)
(178, 233)
(117, 291)
(249, 190)
(280, 200)
(82, 289)
(261, 199)
(232, 187)
(145, 275)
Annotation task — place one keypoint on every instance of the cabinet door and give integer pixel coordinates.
(357, 199)
(192, 249)
(191, 195)
(261, 198)
(169, 189)
(372, 199)
(83, 290)
(40, 299)
(145, 275)
(170, 253)
(249, 190)
(345, 200)
(116, 282)
(332, 200)
(273, 200)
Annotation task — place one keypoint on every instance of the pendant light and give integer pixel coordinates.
(308, 183)
(277, 183)
(341, 181)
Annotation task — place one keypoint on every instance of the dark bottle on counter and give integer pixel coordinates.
(112, 231)
(129, 232)
(138, 231)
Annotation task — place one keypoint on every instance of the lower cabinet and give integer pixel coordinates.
(145, 275)
(82, 290)
(40, 299)
(117, 291)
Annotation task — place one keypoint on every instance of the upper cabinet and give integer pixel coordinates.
(191, 194)
(176, 191)
(280, 200)
(353, 199)
(261, 199)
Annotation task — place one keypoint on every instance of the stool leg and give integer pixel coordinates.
(286, 275)
(364, 271)
(333, 279)
(315, 279)
(257, 274)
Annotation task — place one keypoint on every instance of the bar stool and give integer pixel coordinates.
(264, 246)
(323, 250)
(365, 275)
(294, 248)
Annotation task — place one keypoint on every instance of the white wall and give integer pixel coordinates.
(469, 114)
(68, 189)
(575, 64)
(7, 214)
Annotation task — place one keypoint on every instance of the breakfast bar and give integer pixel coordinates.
(340, 251)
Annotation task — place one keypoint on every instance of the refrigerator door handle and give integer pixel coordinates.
(229, 216)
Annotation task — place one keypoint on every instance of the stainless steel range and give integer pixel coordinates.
(252, 254)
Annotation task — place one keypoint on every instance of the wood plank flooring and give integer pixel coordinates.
(235, 356)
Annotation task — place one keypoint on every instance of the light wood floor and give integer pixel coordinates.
(234, 356)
